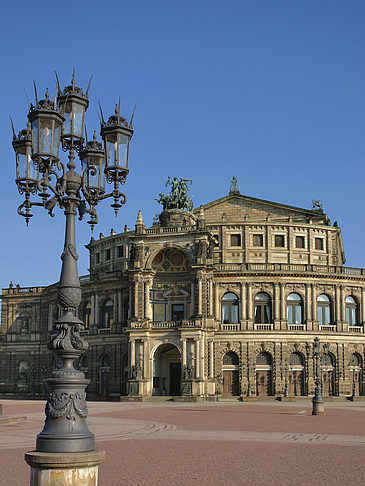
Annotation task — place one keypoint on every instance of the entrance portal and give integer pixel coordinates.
(166, 370)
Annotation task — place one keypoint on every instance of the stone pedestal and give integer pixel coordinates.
(64, 469)
(317, 407)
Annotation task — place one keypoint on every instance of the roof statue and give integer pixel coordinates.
(179, 195)
(234, 189)
(317, 205)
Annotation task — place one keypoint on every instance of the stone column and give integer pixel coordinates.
(282, 308)
(210, 311)
(211, 359)
(96, 310)
(50, 316)
(314, 308)
(337, 306)
(343, 309)
(120, 306)
(92, 314)
(145, 358)
(184, 358)
(308, 307)
(115, 308)
(216, 302)
(202, 359)
(249, 305)
(147, 310)
(197, 358)
(276, 306)
(193, 298)
(64, 469)
(243, 302)
(200, 288)
(135, 304)
(130, 301)
(362, 307)
(133, 353)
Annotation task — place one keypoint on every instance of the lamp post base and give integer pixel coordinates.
(317, 407)
(64, 469)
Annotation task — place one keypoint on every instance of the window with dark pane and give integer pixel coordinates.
(230, 308)
(352, 313)
(258, 240)
(299, 242)
(236, 240)
(279, 240)
(262, 308)
(324, 310)
(318, 244)
(294, 309)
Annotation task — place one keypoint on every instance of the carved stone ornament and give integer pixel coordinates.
(66, 405)
(69, 297)
(71, 251)
(68, 339)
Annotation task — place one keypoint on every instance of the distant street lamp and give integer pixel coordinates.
(39, 171)
(317, 401)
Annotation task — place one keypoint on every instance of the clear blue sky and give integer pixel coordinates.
(272, 92)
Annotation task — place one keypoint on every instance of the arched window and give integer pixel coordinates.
(262, 308)
(296, 359)
(324, 313)
(355, 361)
(86, 315)
(264, 359)
(294, 309)
(230, 358)
(230, 308)
(107, 314)
(352, 313)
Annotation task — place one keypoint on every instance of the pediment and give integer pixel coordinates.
(239, 208)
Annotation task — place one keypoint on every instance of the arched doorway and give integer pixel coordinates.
(263, 374)
(296, 375)
(104, 375)
(355, 366)
(328, 374)
(231, 386)
(166, 370)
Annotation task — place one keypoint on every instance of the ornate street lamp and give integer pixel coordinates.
(317, 400)
(39, 171)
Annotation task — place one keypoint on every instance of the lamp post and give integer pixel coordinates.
(307, 352)
(40, 172)
(317, 401)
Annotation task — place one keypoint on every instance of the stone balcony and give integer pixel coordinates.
(289, 268)
(184, 323)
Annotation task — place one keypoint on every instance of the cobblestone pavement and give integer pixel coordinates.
(164, 443)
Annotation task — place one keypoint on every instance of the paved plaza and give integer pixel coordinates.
(225, 443)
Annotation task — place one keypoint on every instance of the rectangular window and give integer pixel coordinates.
(177, 312)
(97, 258)
(107, 254)
(216, 237)
(318, 243)
(279, 240)
(299, 242)
(236, 240)
(258, 240)
(119, 251)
